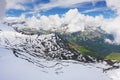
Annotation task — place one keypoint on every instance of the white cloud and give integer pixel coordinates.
(78, 21)
(18, 4)
(115, 5)
(95, 9)
(15, 4)
(64, 4)
(75, 21)
(61, 3)
(2, 8)
(112, 26)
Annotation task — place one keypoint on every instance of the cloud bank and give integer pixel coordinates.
(74, 20)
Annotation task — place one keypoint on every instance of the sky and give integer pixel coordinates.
(16, 8)
(47, 14)
(52, 7)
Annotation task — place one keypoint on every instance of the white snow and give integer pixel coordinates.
(13, 68)
(115, 74)
(6, 28)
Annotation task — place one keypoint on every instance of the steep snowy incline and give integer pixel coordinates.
(13, 68)
(32, 48)
(43, 46)
(47, 57)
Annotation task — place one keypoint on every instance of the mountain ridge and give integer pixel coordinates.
(93, 38)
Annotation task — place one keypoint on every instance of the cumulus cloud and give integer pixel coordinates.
(77, 21)
(113, 25)
(2, 8)
(74, 20)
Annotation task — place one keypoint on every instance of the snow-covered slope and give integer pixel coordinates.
(47, 57)
(5, 28)
(43, 46)
(13, 68)
(49, 47)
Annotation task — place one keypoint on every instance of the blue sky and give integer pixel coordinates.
(52, 7)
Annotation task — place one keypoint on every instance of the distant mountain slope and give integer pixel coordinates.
(49, 47)
(93, 39)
